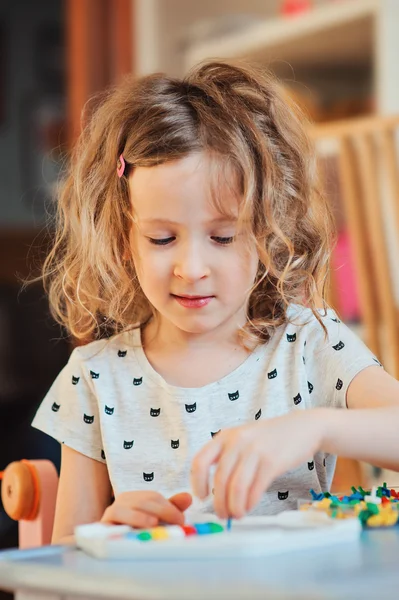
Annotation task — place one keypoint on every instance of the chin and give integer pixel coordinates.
(195, 327)
(196, 324)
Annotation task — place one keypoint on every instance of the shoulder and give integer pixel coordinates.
(323, 330)
(330, 341)
(103, 350)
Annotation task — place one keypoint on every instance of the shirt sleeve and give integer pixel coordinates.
(332, 362)
(69, 412)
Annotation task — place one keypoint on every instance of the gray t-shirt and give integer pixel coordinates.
(111, 405)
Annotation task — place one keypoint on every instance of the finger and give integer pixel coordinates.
(123, 515)
(153, 504)
(240, 483)
(202, 462)
(261, 482)
(182, 501)
(224, 470)
(165, 510)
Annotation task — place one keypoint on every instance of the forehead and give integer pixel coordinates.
(194, 186)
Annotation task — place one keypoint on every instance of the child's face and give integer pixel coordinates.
(192, 263)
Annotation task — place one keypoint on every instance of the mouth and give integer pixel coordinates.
(191, 301)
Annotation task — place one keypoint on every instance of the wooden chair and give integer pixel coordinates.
(366, 151)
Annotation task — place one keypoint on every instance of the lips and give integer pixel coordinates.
(188, 301)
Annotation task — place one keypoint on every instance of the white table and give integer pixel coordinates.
(351, 571)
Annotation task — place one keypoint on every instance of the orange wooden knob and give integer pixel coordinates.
(19, 491)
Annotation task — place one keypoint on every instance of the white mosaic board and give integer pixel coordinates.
(250, 536)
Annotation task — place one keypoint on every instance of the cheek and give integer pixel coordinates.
(150, 266)
(246, 265)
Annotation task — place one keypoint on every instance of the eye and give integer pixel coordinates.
(161, 242)
(223, 240)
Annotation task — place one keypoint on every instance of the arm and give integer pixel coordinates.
(246, 458)
(84, 492)
(84, 496)
(370, 433)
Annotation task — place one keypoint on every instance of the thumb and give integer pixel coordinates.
(182, 500)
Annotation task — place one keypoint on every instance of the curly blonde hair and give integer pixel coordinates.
(241, 116)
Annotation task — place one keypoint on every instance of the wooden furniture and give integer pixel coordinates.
(367, 159)
(99, 51)
(337, 48)
(28, 493)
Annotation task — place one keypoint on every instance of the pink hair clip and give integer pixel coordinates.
(120, 166)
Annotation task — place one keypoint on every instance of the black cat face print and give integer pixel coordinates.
(148, 476)
(258, 414)
(234, 396)
(75, 380)
(297, 399)
(137, 381)
(272, 374)
(190, 408)
(291, 337)
(122, 353)
(339, 346)
(174, 444)
(339, 384)
(88, 419)
(94, 375)
(55, 407)
(283, 495)
(128, 445)
(108, 410)
(155, 412)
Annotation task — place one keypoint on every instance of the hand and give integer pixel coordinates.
(249, 458)
(147, 509)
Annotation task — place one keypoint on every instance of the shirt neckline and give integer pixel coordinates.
(150, 372)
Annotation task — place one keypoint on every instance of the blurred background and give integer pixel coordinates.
(337, 58)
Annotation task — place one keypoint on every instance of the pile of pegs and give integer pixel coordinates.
(376, 508)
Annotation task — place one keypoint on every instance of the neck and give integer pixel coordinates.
(166, 334)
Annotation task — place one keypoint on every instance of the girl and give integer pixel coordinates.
(191, 245)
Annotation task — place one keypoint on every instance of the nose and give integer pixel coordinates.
(191, 263)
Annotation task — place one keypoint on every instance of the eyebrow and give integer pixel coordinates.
(227, 220)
